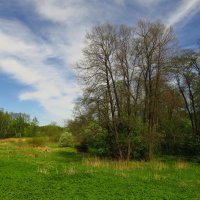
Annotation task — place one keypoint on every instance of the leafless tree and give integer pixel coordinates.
(153, 42)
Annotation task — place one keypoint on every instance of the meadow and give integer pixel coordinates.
(51, 172)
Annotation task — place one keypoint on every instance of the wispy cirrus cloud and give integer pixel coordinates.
(184, 12)
(24, 58)
(25, 55)
(62, 11)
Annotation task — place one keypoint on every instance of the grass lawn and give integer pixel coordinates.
(60, 173)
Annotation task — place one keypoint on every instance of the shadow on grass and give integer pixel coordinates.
(69, 156)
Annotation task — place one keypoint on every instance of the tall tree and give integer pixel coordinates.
(153, 43)
(186, 71)
(122, 67)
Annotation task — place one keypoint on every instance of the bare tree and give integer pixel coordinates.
(100, 73)
(153, 42)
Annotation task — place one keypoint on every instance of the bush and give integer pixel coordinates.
(139, 143)
(54, 132)
(66, 140)
(95, 140)
(99, 146)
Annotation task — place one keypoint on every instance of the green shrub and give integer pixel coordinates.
(95, 140)
(66, 140)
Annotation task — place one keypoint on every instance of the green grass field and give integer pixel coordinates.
(60, 173)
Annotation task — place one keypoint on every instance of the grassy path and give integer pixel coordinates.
(59, 173)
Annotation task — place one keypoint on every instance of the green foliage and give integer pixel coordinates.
(177, 137)
(20, 126)
(33, 127)
(94, 140)
(139, 143)
(66, 139)
(14, 127)
(52, 131)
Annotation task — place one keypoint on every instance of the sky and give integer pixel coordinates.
(42, 40)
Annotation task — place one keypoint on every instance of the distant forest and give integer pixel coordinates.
(18, 125)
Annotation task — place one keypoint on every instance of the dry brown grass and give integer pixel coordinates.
(42, 149)
(158, 177)
(122, 174)
(121, 165)
(158, 165)
(12, 140)
(118, 165)
(180, 165)
(183, 184)
(43, 170)
(70, 171)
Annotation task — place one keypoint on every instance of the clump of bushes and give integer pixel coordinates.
(52, 131)
(94, 140)
(66, 139)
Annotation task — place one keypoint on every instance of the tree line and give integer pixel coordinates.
(141, 93)
(19, 126)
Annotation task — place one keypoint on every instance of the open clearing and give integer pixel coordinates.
(61, 173)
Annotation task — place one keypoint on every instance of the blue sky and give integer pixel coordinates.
(41, 40)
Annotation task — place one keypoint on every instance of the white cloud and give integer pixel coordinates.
(78, 12)
(72, 19)
(23, 54)
(26, 62)
(62, 11)
(185, 11)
